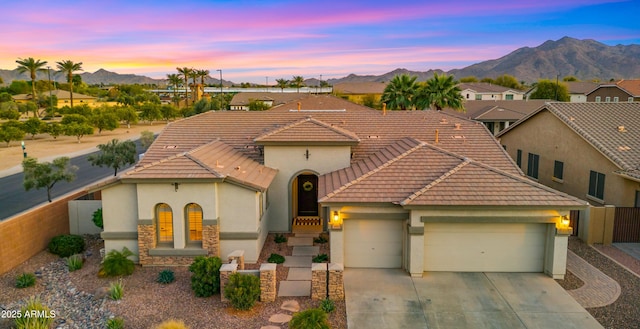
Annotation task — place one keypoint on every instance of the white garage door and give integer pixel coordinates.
(490, 247)
(375, 243)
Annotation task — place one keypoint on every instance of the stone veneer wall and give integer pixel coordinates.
(211, 239)
(268, 282)
(336, 281)
(147, 241)
(318, 281)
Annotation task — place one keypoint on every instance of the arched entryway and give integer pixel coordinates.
(304, 201)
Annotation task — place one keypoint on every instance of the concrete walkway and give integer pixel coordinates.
(298, 283)
(598, 289)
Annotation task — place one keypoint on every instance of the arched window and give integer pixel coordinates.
(164, 217)
(194, 222)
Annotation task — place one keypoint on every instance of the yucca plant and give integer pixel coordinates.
(116, 290)
(44, 320)
(166, 277)
(74, 262)
(25, 280)
(327, 305)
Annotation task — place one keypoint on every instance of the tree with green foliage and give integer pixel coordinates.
(11, 131)
(185, 73)
(105, 119)
(174, 81)
(32, 66)
(33, 126)
(570, 78)
(76, 125)
(297, 81)
(128, 115)
(9, 110)
(114, 154)
(440, 92)
(507, 81)
(28, 107)
(400, 93)
(146, 139)
(47, 174)
(19, 87)
(150, 112)
(82, 109)
(257, 105)
(5, 97)
(282, 83)
(169, 112)
(54, 129)
(68, 67)
(547, 89)
(469, 79)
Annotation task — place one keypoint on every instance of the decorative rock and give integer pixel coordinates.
(291, 306)
(269, 327)
(101, 293)
(280, 318)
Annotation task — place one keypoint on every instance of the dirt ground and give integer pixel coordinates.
(45, 148)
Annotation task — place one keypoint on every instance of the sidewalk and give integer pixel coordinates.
(598, 290)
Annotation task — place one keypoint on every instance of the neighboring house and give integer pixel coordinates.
(623, 91)
(588, 150)
(418, 190)
(497, 115)
(357, 92)
(578, 90)
(240, 101)
(64, 98)
(482, 91)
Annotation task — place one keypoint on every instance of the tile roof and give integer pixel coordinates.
(580, 87)
(501, 110)
(631, 86)
(611, 128)
(483, 87)
(308, 131)
(436, 178)
(214, 160)
(277, 98)
(350, 88)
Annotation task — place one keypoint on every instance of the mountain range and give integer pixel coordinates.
(584, 59)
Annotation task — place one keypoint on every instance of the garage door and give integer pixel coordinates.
(486, 247)
(375, 243)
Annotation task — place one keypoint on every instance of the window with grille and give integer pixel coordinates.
(164, 218)
(194, 222)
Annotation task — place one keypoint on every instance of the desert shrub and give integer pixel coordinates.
(172, 324)
(96, 217)
(117, 263)
(44, 320)
(115, 323)
(323, 238)
(275, 258)
(313, 318)
(74, 262)
(320, 258)
(205, 280)
(327, 305)
(242, 290)
(66, 245)
(116, 290)
(280, 238)
(166, 277)
(25, 280)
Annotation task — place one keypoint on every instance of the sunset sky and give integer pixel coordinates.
(253, 40)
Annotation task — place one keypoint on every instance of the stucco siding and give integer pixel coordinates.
(120, 208)
(238, 209)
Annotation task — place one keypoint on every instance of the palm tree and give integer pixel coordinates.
(32, 66)
(185, 72)
(202, 74)
(440, 92)
(68, 67)
(282, 83)
(174, 80)
(400, 93)
(297, 82)
(194, 75)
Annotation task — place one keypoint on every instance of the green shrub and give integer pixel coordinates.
(172, 324)
(115, 323)
(205, 280)
(166, 277)
(25, 280)
(313, 318)
(280, 238)
(327, 305)
(116, 290)
(242, 290)
(66, 245)
(97, 218)
(275, 258)
(74, 262)
(43, 320)
(117, 263)
(320, 258)
(323, 238)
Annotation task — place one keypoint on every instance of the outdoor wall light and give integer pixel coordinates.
(564, 220)
(336, 222)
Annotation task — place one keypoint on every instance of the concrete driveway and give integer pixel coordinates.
(387, 298)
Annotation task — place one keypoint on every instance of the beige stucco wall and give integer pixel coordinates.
(120, 216)
(547, 136)
(81, 216)
(238, 208)
(290, 162)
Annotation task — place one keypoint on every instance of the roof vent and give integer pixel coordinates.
(443, 120)
(457, 126)
(171, 146)
(622, 129)
(623, 148)
(373, 136)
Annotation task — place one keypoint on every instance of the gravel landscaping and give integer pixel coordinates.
(75, 296)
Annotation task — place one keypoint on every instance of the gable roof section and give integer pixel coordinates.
(215, 160)
(483, 87)
(611, 128)
(308, 131)
(630, 86)
(413, 173)
(498, 109)
(580, 87)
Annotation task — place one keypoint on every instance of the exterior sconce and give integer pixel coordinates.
(336, 221)
(564, 221)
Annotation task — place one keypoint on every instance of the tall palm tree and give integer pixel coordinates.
(174, 80)
(194, 92)
(68, 67)
(400, 93)
(440, 92)
(282, 83)
(185, 72)
(32, 66)
(297, 81)
(202, 74)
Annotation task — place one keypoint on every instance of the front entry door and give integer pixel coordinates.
(307, 195)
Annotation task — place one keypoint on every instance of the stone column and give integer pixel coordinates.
(211, 237)
(268, 282)
(146, 241)
(225, 271)
(318, 281)
(336, 281)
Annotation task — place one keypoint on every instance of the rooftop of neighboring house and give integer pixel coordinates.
(498, 110)
(243, 99)
(61, 94)
(611, 128)
(484, 87)
(580, 87)
(359, 88)
(631, 87)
